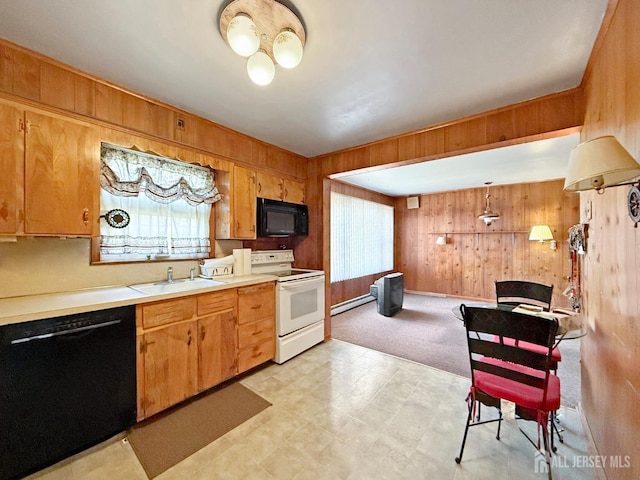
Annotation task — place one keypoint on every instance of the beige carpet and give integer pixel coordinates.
(427, 332)
(171, 436)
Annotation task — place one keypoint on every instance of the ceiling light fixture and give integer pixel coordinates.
(488, 216)
(267, 33)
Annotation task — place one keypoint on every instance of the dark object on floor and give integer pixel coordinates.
(171, 436)
(389, 293)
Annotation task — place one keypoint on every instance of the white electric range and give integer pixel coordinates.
(299, 302)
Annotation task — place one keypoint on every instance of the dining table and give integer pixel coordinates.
(570, 323)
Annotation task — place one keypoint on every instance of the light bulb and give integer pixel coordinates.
(260, 68)
(242, 35)
(287, 49)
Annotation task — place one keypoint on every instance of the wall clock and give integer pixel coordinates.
(633, 204)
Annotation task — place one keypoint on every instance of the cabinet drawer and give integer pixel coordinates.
(252, 356)
(256, 303)
(162, 313)
(255, 332)
(217, 302)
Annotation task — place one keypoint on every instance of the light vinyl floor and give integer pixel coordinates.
(344, 412)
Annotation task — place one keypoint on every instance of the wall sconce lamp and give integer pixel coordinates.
(542, 233)
(441, 240)
(598, 164)
(601, 163)
(488, 216)
(266, 32)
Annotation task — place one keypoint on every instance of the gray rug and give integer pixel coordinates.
(427, 332)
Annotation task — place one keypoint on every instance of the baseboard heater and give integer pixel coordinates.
(349, 304)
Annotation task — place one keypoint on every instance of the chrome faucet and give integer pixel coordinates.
(170, 275)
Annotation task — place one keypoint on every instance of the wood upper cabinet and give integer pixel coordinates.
(61, 176)
(278, 188)
(217, 338)
(12, 168)
(236, 212)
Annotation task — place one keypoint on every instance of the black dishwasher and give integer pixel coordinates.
(66, 383)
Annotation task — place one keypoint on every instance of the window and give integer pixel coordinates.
(361, 237)
(168, 202)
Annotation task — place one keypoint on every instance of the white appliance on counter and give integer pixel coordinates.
(299, 302)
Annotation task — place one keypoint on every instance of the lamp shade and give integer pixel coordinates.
(287, 49)
(441, 240)
(260, 68)
(540, 233)
(599, 163)
(242, 35)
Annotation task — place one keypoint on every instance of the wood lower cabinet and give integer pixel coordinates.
(217, 337)
(170, 366)
(190, 344)
(256, 335)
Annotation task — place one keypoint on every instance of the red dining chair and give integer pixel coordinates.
(508, 371)
(521, 292)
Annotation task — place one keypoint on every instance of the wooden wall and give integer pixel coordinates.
(44, 82)
(545, 117)
(476, 255)
(611, 349)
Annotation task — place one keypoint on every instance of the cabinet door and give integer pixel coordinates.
(12, 168)
(269, 186)
(293, 191)
(243, 198)
(217, 348)
(61, 176)
(170, 360)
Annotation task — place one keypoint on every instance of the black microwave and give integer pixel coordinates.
(281, 219)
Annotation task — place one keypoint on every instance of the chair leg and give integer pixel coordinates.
(547, 452)
(554, 421)
(466, 430)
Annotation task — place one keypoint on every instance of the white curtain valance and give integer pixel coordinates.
(127, 172)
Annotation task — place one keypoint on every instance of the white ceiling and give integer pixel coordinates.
(524, 163)
(371, 68)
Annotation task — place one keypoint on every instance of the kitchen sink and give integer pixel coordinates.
(182, 285)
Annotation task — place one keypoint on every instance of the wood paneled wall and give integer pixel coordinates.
(545, 117)
(611, 349)
(29, 76)
(476, 255)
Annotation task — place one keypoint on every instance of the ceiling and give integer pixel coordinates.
(537, 161)
(371, 68)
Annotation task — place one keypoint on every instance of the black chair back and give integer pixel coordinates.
(516, 292)
(507, 359)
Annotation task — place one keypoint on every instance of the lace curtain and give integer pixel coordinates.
(169, 203)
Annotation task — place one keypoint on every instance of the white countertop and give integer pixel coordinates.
(35, 307)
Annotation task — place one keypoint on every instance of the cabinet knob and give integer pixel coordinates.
(255, 307)
(85, 216)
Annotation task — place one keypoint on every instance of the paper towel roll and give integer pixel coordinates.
(242, 261)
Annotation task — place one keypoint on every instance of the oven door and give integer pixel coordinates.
(299, 303)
